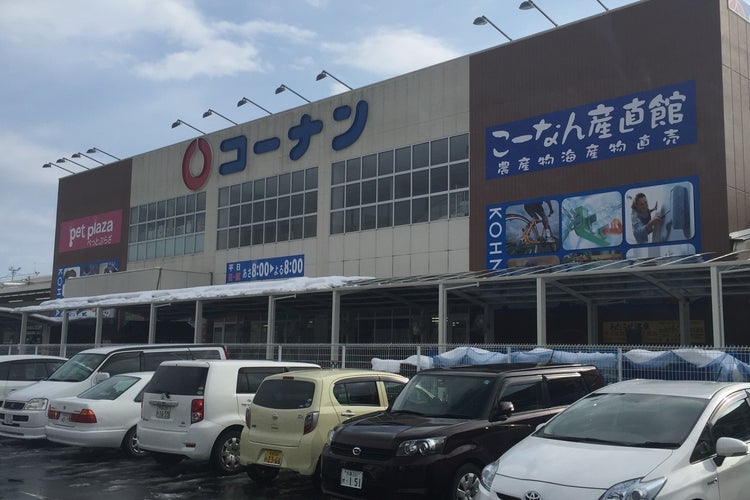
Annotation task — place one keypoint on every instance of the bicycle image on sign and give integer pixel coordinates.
(532, 228)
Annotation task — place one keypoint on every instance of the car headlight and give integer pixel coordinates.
(36, 404)
(427, 446)
(331, 433)
(488, 474)
(635, 489)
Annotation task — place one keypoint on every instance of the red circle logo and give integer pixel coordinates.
(193, 182)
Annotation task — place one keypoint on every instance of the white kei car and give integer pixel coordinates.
(104, 416)
(634, 440)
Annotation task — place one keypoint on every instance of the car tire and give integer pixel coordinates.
(167, 459)
(225, 455)
(130, 444)
(262, 474)
(465, 484)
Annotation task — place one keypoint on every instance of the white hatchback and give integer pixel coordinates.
(634, 440)
(196, 409)
(104, 416)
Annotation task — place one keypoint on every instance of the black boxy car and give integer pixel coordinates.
(445, 426)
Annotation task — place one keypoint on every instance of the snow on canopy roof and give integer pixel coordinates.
(212, 292)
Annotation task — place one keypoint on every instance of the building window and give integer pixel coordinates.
(420, 183)
(278, 208)
(167, 228)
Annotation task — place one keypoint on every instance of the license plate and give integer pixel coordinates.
(64, 418)
(272, 457)
(351, 478)
(162, 412)
(8, 419)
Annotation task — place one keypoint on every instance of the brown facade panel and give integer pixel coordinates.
(93, 213)
(649, 45)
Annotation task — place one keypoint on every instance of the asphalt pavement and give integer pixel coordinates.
(44, 470)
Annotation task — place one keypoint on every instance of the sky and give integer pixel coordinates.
(115, 75)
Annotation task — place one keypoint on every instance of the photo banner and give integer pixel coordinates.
(625, 222)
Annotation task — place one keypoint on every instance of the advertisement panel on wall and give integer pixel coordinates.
(85, 269)
(650, 120)
(626, 222)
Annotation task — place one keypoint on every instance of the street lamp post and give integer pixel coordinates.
(210, 112)
(281, 88)
(78, 155)
(179, 122)
(529, 4)
(482, 20)
(245, 100)
(325, 73)
(97, 150)
(63, 160)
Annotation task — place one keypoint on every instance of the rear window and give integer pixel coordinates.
(110, 389)
(180, 380)
(249, 379)
(285, 394)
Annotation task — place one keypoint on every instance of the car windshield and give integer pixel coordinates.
(463, 396)
(112, 388)
(77, 368)
(621, 419)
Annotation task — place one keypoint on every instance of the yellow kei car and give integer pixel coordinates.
(287, 424)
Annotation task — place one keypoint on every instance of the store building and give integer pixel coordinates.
(438, 175)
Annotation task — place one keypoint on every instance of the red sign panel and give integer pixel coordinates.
(89, 232)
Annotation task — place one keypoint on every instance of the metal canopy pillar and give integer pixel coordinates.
(335, 325)
(198, 326)
(442, 317)
(24, 326)
(717, 307)
(684, 306)
(541, 312)
(98, 330)
(592, 322)
(443, 312)
(64, 333)
(152, 324)
(271, 329)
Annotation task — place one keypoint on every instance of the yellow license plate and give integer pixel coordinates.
(272, 457)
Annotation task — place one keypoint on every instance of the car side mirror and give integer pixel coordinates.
(501, 410)
(100, 377)
(729, 447)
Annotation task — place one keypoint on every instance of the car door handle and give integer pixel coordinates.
(713, 481)
(348, 413)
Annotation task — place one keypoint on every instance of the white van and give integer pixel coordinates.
(20, 370)
(196, 409)
(24, 412)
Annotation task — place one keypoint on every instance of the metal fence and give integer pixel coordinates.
(615, 362)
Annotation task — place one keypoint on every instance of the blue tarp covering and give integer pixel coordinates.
(677, 364)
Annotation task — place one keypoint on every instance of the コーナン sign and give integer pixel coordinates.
(90, 232)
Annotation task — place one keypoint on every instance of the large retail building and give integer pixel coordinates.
(595, 168)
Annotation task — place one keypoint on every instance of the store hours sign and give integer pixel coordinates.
(291, 266)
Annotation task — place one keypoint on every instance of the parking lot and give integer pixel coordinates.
(44, 470)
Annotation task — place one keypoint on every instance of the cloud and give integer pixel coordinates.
(391, 51)
(159, 41)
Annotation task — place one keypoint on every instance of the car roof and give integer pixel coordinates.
(130, 347)
(134, 374)
(687, 388)
(509, 368)
(259, 363)
(333, 373)
(22, 357)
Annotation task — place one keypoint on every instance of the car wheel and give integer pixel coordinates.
(167, 458)
(465, 483)
(225, 456)
(262, 474)
(130, 444)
